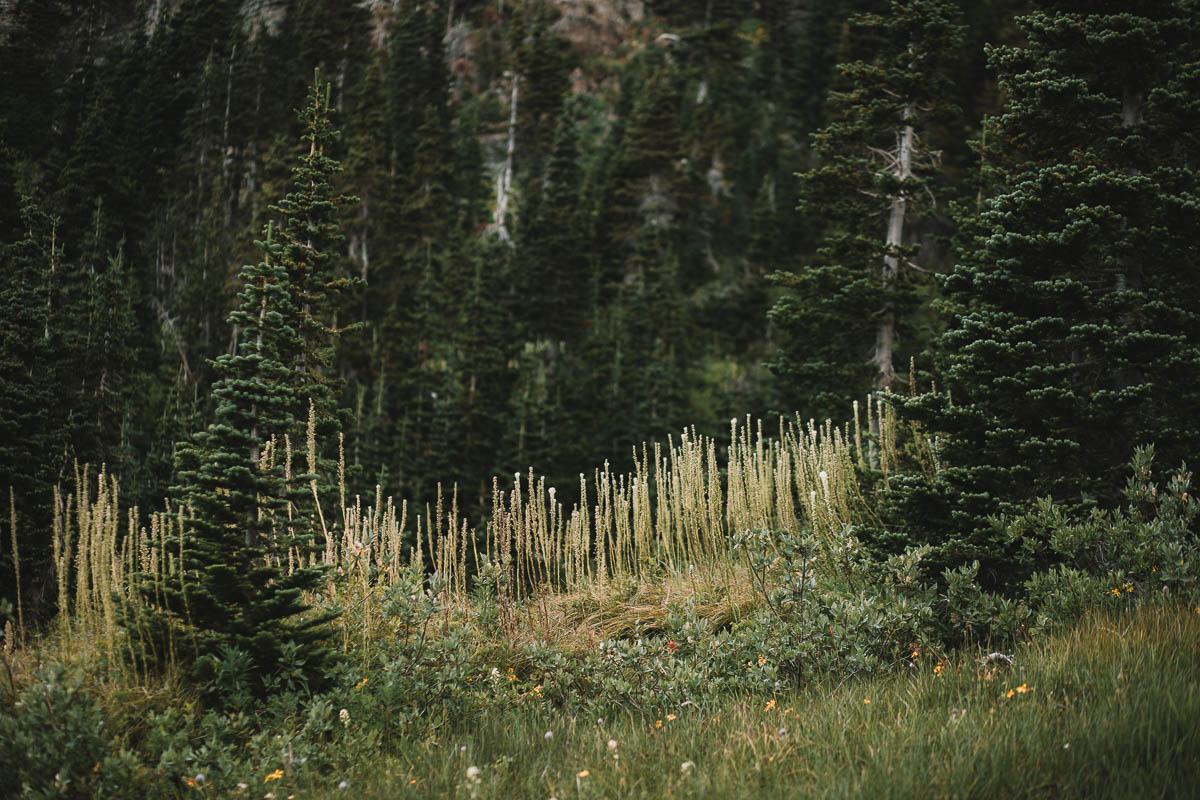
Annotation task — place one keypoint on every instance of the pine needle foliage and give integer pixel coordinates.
(1074, 314)
(250, 531)
(846, 316)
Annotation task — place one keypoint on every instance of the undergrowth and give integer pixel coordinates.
(776, 656)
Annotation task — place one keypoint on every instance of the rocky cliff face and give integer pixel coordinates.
(597, 27)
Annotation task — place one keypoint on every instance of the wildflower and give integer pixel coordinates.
(1022, 689)
(462, 748)
(670, 717)
(472, 773)
(274, 776)
(658, 723)
(343, 786)
(199, 779)
(671, 646)
(783, 731)
(344, 716)
(685, 766)
(939, 669)
(548, 735)
(866, 701)
(361, 684)
(770, 705)
(1116, 591)
(761, 659)
(1009, 694)
(612, 744)
(583, 773)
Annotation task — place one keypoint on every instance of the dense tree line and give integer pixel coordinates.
(560, 251)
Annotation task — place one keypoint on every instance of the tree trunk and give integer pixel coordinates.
(504, 178)
(885, 336)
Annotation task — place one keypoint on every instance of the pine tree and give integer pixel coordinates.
(233, 590)
(310, 241)
(842, 322)
(30, 423)
(1075, 319)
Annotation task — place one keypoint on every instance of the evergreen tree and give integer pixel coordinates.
(310, 242)
(1075, 319)
(233, 590)
(842, 322)
(30, 421)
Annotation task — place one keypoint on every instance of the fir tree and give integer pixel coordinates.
(1075, 318)
(841, 324)
(233, 590)
(30, 421)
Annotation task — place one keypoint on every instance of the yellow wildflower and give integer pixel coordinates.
(670, 717)
(1022, 689)
(658, 723)
(1009, 693)
(761, 659)
(770, 705)
(583, 773)
(866, 701)
(274, 776)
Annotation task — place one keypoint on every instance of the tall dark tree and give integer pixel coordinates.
(1075, 315)
(845, 317)
(31, 422)
(233, 589)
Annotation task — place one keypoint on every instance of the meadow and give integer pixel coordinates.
(708, 624)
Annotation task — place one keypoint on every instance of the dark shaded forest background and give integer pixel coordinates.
(647, 153)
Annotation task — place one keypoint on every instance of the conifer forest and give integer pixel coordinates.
(389, 387)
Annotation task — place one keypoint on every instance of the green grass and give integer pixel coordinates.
(1111, 708)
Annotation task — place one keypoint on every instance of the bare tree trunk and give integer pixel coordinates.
(885, 336)
(504, 178)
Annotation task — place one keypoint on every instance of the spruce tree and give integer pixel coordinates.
(1074, 332)
(233, 589)
(30, 421)
(845, 317)
(243, 570)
